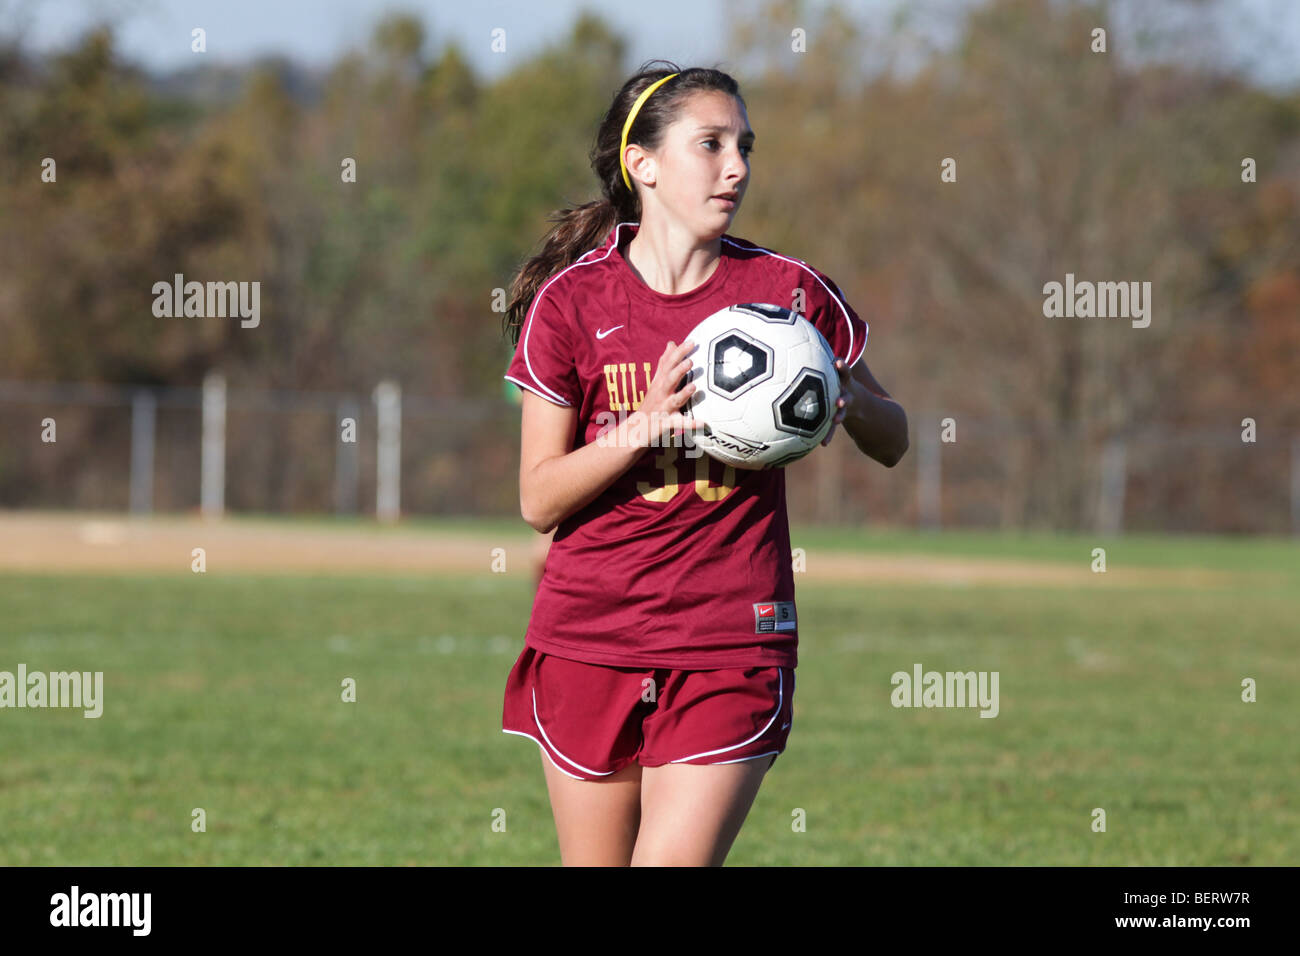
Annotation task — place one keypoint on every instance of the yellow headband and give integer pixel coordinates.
(636, 107)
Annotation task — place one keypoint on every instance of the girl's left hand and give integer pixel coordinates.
(846, 396)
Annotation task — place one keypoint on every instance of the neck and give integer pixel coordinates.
(671, 261)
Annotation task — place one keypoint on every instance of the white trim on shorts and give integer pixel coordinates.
(520, 733)
(542, 731)
(780, 702)
(742, 759)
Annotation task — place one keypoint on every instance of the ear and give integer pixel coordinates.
(640, 164)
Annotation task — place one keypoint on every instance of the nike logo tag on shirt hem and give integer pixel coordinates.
(601, 334)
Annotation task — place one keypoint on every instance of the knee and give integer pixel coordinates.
(670, 856)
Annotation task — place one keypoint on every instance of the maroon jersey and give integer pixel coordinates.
(682, 562)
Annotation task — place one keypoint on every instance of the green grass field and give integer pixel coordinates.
(223, 693)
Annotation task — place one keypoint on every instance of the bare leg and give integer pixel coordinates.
(691, 813)
(596, 820)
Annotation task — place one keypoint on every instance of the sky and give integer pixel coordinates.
(1264, 35)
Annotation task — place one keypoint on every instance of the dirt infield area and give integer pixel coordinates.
(39, 542)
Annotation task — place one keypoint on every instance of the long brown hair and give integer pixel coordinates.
(579, 229)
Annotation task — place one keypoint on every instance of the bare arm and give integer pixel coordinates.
(875, 422)
(555, 481)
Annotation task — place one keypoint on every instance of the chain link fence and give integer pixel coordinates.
(216, 449)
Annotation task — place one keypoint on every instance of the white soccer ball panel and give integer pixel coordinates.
(766, 384)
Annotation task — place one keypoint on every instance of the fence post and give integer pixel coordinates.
(143, 417)
(929, 475)
(1295, 486)
(830, 478)
(347, 464)
(388, 400)
(212, 492)
(1114, 476)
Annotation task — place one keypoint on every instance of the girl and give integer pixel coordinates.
(657, 675)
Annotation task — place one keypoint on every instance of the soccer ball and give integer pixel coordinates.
(766, 386)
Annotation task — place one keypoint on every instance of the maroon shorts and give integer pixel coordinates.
(592, 720)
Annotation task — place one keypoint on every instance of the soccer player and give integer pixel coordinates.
(657, 675)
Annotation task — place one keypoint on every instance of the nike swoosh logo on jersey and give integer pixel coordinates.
(601, 335)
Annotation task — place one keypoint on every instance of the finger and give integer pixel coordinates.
(680, 422)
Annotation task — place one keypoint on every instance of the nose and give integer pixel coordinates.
(737, 169)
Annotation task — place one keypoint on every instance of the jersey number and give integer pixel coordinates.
(665, 460)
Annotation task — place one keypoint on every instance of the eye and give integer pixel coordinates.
(746, 149)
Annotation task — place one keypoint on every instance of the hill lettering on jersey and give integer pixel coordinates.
(625, 396)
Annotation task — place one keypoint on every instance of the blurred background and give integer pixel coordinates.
(1109, 543)
(225, 165)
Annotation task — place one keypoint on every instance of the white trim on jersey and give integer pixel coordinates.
(780, 699)
(549, 398)
(528, 322)
(551, 395)
(850, 359)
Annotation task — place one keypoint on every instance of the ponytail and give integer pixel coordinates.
(580, 229)
(577, 230)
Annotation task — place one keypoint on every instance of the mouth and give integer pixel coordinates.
(728, 200)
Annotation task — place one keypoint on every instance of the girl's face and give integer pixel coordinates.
(704, 154)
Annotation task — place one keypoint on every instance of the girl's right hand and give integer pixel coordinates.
(662, 405)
